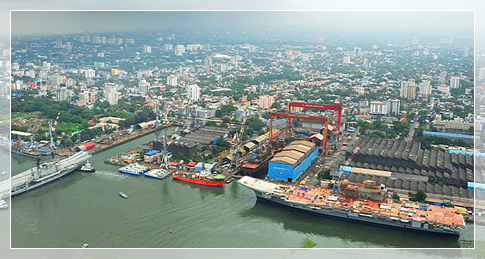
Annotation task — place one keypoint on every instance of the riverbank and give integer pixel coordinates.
(109, 141)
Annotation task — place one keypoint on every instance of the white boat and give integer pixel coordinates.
(4, 173)
(85, 245)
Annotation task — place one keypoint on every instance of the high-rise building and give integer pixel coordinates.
(379, 108)
(111, 94)
(143, 86)
(425, 88)
(265, 101)
(89, 73)
(168, 47)
(481, 75)
(58, 44)
(346, 58)
(172, 80)
(305, 57)
(193, 92)
(454, 82)
(208, 61)
(395, 105)
(412, 92)
(147, 49)
(57, 80)
(103, 39)
(179, 50)
(62, 94)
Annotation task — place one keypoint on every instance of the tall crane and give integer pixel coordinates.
(52, 129)
(239, 137)
(165, 154)
(353, 154)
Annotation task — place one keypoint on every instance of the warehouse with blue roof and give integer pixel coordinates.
(292, 161)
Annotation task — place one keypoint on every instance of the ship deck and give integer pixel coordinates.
(319, 196)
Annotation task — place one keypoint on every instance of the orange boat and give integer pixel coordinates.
(211, 180)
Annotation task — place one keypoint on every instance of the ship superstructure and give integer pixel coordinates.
(356, 204)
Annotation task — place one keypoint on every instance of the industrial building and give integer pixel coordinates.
(292, 161)
(193, 143)
(407, 158)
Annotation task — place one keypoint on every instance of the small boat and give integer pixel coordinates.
(123, 195)
(4, 173)
(87, 168)
(85, 245)
(157, 174)
(3, 205)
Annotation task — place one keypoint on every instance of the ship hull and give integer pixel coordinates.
(156, 177)
(24, 154)
(199, 181)
(341, 213)
(131, 173)
(22, 182)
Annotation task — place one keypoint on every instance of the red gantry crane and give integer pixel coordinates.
(304, 117)
(337, 107)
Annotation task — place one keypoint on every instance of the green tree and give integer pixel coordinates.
(420, 196)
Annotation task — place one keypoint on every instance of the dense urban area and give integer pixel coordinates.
(306, 112)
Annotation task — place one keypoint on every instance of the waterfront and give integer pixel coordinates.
(85, 208)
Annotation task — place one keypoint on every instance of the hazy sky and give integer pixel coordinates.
(49, 22)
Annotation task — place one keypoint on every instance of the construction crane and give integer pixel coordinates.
(165, 152)
(52, 129)
(353, 154)
(235, 161)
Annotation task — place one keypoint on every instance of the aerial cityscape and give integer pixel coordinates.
(181, 130)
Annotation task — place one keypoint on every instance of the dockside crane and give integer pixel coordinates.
(52, 129)
(235, 161)
(353, 154)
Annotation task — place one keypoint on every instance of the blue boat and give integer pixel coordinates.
(134, 169)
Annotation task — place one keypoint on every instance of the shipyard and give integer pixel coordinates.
(174, 139)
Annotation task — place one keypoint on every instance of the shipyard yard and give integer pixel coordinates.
(166, 204)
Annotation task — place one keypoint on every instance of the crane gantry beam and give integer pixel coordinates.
(300, 116)
(337, 107)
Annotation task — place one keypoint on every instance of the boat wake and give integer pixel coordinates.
(110, 175)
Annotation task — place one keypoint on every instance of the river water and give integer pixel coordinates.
(86, 208)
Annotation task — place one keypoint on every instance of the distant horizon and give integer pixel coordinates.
(451, 23)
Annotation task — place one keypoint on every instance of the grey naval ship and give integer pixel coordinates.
(43, 173)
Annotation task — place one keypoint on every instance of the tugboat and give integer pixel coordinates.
(123, 195)
(87, 168)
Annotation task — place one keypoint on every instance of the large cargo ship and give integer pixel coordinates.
(45, 173)
(360, 202)
(211, 180)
